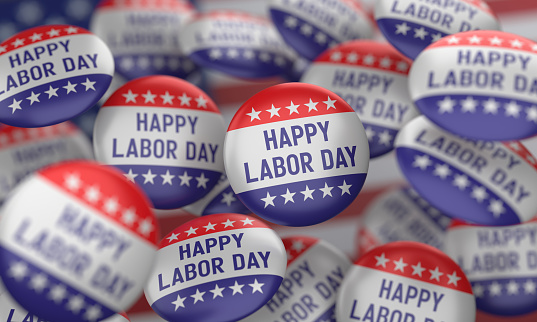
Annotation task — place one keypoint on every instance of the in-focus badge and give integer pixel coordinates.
(77, 242)
(167, 135)
(296, 154)
(220, 267)
(51, 74)
(405, 281)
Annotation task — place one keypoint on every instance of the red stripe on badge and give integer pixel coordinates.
(481, 5)
(11, 136)
(487, 38)
(232, 16)
(297, 245)
(176, 5)
(520, 150)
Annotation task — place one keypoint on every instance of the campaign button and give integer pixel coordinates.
(296, 154)
(221, 199)
(484, 88)
(25, 150)
(405, 281)
(220, 267)
(315, 270)
(51, 74)
(500, 263)
(167, 136)
(371, 77)
(143, 36)
(483, 182)
(401, 214)
(77, 242)
(411, 26)
(236, 43)
(311, 27)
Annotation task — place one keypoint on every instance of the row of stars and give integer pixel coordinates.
(421, 33)
(167, 98)
(51, 92)
(19, 134)
(159, 62)
(308, 194)
(193, 231)
(217, 292)
(149, 177)
(511, 288)
(384, 137)
(461, 181)
(443, 220)
(494, 41)
(306, 29)
(369, 60)
(233, 53)
(93, 195)
(490, 106)
(39, 36)
(57, 293)
(526, 156)
(400, 265)
(293, 108)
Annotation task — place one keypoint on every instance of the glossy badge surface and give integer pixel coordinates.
(51, 74)
(410, 25)
(236, 43)
(483, 182)
(500, 263)
(310, 27)
(405, 281)
(371, 77)
(166, 135)
(315, 270)
(77, 242)
(296, 154)
(144, 36)
(484, 88)
(220, 267)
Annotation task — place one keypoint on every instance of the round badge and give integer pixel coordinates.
(167, 136)
(315, 270)
(220, 200)
(310, 27)
(411, 26)
(401, 214)
(485, 83)
(372, 78)
(77, 242)
(296, 154)
(144, 36)
(500, 263)
(405, 281)
(236, 43)
(23, 151)
(220, 267)
(483, 182)
(51, 74)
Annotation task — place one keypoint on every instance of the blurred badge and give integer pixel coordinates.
(405, 281)
(144, 36)
(500, 262)
(315, 270)
(483, 182)
(77, 242)
(310, 27)
(411, 26)
(296, 154)
(220, 267)
(236, 43)
(51, 74)
(484, 88)
(167, 136)
(401, 214)
(23, 150)
(371, 77)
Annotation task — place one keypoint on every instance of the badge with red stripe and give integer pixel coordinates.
(144, 36)
(167, 135)
(77, 241)
(315, 270)
(296, 154)
(405, 281)
(51, 74)
(220, 267)
(371, 77)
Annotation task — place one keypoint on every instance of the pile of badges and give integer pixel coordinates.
(83, 235)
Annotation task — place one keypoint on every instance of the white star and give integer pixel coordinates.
(209, 227)
(453, 278)
(446, 105)
(167, 178)
(18, 270)
(273, 111)
(16, 105)
(512, 109)
(420, 33)
(89, 84)
(71, 30)
(248, 54)
(345, 188)
(33, 98)
(149, 97)
(129, 216)
(256, 287)
(495, 289)
(35, 37)
(215, 54)
(479, 194)
(237, 288)
(352, 57)
(308, 194)
(75, 303)
(461, 181)
(478, 290)
(254, 115)
(290, 22)
(435, 274)
(201, 101)
(144, 62)
(530, 287)
(57, 293)
(468, 105)
(232, 53)
(228, 223)
(247, 221)
(264, 57)
(130, 97)
(386, 62)
(417, 269)
(320, 38)
(329, 103)
(172, 237)
(327, 191)
(496, 207)
(436, 37)
(512, 287)
(531, 113)
(167, 98)
(402, 66)
(159, 62)
(385, 138)
(126, 63)
(453, 40)
(292, 108)
(217, 291)
(130, 175)
(306, 29)
(179, 302)
(474, 39)
(185, 179)
(495, 41)
(191, 231)
(516, 43)
(52, 91)
(336, 56)
(202, 181)
(185, 99)
(148, 177)
(400, 265)
(93, 313)
(298, 246)
(111, 205)
(441, 171)
(381, 260)
(402, 28)
(268, 200)
(228, 198)
(370, 133)
(92, 194)
(70, 87)
(280, 61)
(288, 196)
(38, 282)
(53, 32)
(534, 47)
(490, 106)
(72, 182)
(146, 227)
(312, 105)
(3, 49)
(18, 42)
